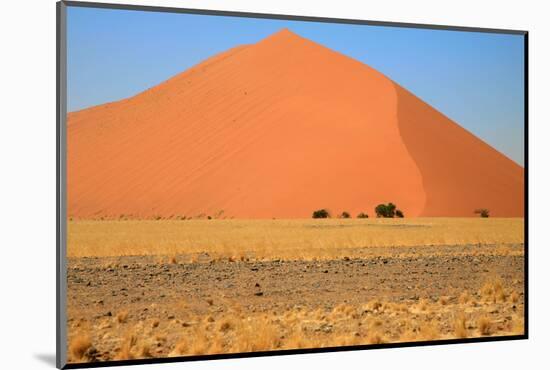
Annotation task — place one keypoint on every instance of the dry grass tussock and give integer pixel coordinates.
(238, 240)
(78, 348)
(136, 346)
(122, 317)
(484, 325)
(464, 297)
(460, 326)
(494, 291)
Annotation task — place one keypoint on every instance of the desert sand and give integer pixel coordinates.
(276, 130)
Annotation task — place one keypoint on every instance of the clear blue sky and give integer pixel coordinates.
(476, 79)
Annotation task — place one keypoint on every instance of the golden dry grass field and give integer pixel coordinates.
(145, 288)
(325, 238)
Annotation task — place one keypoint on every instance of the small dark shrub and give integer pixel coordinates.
(344, 215)
(362, 215)
(321, 213)
(482, 212)
(399, 214)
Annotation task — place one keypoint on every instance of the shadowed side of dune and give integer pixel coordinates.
(460, 172)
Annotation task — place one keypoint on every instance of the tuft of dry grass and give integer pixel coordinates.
(429, 331)
(345, 310)
(373, 306)
(464, 297)
(402, 308)
(407, 335)
(181, 348)
(105, 324)
(200, 345)
(422, 305)
(78, 347)
(375, 337)
(493, 291)
(126, 349)
(460, 327)
(518, 326)
(484, 325)
(122, 317)
(218, 345)
(258, 335)
(134, 345)
(226, 324)
(443, 300)
(145, 348)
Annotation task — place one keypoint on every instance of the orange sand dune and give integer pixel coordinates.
(278, 129)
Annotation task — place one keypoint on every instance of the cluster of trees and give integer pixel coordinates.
(388, 211)
(382, 210)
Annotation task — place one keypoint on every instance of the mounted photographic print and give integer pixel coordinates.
(235, 184)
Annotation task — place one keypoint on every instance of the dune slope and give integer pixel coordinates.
(278, 129)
